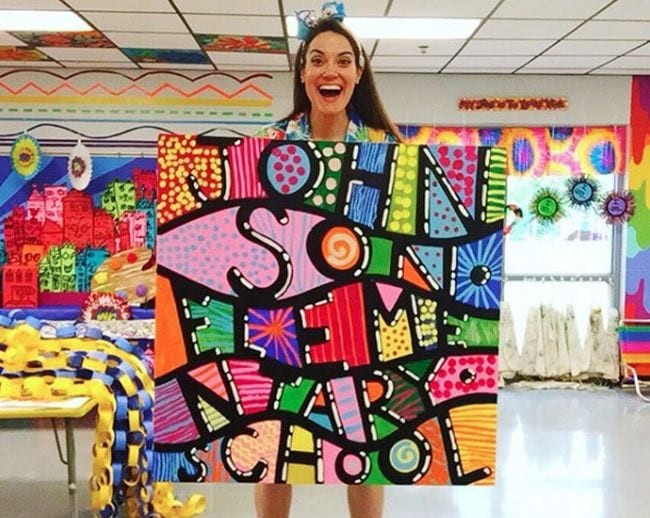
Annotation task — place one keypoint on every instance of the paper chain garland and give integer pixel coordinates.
(38, 361)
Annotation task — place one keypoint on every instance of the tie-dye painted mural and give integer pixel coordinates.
(635, 339)
(538, 151)
(327, 312)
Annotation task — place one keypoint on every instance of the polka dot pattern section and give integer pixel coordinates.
(459, 165)
(179, 157)
(288, 169)
(204, 249)
(444, 221)
(395, 341)
(427, 320)
(461, 375)
(403, 198)
(325, 194)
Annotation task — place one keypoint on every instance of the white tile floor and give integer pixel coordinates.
(561, 453)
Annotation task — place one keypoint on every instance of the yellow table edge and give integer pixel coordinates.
(47, 411)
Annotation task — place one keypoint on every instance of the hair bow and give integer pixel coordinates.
(308, 18)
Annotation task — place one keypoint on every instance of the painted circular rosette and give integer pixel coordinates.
(618, 207)
(105, 306)
(80, 167)
(26, 156)
(582, 191)
(547, 206)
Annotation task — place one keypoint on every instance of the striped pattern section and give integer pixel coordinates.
(475, 428)
(210, 376)
(364, 202)
(405, 400)
(347, 406)
(172, 420)
(372, 157)
(635, 348)
(437, 473)
(213, 418)
(253, 389)
(344, 318)
(496, 185)
(243, 158)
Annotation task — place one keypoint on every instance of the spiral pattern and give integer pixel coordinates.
(341, 248)
(405, 456)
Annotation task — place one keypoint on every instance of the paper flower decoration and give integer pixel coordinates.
(80, 167)
(105, 306)
(26, 156)
(582, 191)
(547, 206)
(618, 207)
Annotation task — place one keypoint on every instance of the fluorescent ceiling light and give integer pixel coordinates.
(403, 28)
(50, 21)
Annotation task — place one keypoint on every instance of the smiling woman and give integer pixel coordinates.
(335, 97)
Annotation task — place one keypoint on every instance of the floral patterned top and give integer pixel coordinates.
(298, 129)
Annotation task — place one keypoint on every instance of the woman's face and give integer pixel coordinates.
(330, 73)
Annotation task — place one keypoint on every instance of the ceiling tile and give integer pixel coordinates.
(443, 8)
(22, 54)
(8, 39)
(568, 61)
(408, 63)
(99, 64)
(640, 62)
(477, 47)
(181, 56)
(248, 7)
(554, 71)
(489, 61)
(228, 59)
(641, 51)
(242, 43)
(231, 24)
(627, 10)
(30, 64)
(54, 5)
(177, 66)
(525, 29)
(413, 47)
(352, 7)
(151, 6)
(592, 47)
(478, 70)
(74, 54)
(549, 9)
(136, 22)
(148, 41)
(619, 72)
(613, 31)
(92, 39)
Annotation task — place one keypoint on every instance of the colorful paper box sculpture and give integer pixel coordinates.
(327, 312)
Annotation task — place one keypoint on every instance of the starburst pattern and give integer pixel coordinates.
(478, 274)
(274, 330)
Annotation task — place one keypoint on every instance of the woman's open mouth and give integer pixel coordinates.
(330, 92)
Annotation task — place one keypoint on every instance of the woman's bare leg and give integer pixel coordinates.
(272, 500)
(366, 501)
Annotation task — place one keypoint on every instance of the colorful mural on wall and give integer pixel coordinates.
(60, 243)
(637, 285)
(554, 151)
(327, 312)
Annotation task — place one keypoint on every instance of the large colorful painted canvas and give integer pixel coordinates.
(327, 312)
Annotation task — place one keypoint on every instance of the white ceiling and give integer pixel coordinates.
(514, 37)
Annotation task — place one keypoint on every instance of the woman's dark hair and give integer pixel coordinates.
(365, 97)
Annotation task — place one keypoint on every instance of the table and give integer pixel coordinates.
(66, 409)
